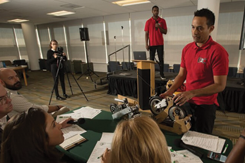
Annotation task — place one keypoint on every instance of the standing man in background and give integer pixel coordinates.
(154, 28)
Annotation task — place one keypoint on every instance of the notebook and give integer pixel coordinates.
(139, 55)
(72, 142)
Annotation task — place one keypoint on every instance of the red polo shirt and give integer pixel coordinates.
(155, 36)
(202, 64)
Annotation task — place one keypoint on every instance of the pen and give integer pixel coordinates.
(102, 154)
(64, 116)
(225, 148)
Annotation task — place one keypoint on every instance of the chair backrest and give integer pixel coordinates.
(176, 68)
(166, 67)
(232, 72)
(139, 55)
(127, 65)
(7, 62)
(77, 66)
(114, 66)
(20, 62)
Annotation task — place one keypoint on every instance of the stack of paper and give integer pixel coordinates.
(72, 134)
(72, 141)
(204, 141)
(100, 147)
(83, 112)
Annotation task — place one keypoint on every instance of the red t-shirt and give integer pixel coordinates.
(155, 36)
(202, 64)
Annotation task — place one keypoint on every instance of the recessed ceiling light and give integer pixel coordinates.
(18, 20)
(130, 2)
(3, 1)
(61, 13)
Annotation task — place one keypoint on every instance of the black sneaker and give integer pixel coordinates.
(60, 98)
(163, 77)
(66, 96)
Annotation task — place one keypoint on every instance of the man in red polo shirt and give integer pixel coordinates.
(204, 66)
(154, 28)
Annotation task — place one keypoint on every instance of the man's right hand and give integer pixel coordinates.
(147, 47)
(165, 94)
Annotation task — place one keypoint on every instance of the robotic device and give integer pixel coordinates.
(169, 116)
(124, 110)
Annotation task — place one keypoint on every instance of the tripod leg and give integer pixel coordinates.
(79, 87)
(89, 73)
(69, 83)
(79, 77)
(55, 82)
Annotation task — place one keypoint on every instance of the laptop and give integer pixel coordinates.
(139, 55)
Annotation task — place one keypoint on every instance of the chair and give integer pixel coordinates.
(157, 67)
(166, 67)
(114, 66)
(69, 66)
(43, 64)
(127, 65)
(77, 66)
(176, 68)
(232, 72)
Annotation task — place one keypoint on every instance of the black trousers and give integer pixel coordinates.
(160, 53)
(61, 75)
(203, 117)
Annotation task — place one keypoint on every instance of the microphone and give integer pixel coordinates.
(156, 23)
(80, 121)
(181, 144)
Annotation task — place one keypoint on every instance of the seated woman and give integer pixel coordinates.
(138, 140)
(31, 137)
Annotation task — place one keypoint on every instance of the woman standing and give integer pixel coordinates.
(54, 59)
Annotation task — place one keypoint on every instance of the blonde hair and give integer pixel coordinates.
(139, 140)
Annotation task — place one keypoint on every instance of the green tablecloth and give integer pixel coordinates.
(104, 123)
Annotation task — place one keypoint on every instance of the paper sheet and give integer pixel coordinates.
(107, 137)
(83, 112)
(98, 151)
(87, 112)
(204, 141)
(72, 130)
(184, 156)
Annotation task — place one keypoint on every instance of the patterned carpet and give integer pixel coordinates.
(40, 85)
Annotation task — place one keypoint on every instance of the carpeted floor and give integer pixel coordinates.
(40, 85)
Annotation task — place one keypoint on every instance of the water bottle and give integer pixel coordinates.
(4, 65)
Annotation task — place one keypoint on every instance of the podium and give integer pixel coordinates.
(145, 82)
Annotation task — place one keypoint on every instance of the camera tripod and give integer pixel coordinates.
(89, 71)
(56, 80)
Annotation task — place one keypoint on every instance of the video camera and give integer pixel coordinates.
(59, 52)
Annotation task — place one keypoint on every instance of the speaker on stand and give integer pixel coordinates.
(84, 36)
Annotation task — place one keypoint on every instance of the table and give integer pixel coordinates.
(19, 68)
(104, 123)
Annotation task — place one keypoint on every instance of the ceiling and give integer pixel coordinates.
(36, 10)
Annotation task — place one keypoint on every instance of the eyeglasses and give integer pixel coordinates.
(4, 98)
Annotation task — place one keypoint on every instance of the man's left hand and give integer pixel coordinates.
(182, 98)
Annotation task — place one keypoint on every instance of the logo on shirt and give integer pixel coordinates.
(202, 60)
